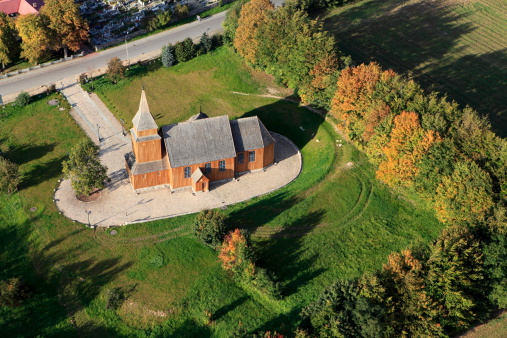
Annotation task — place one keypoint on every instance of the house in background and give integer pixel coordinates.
(20, 7)
(196, 152)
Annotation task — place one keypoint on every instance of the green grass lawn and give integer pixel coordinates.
(454, 47)
(334, 221)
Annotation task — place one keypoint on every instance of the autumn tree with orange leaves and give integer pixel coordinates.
(253, 15)
(235, 252)
(237, 257)
(320, 86)
(408, 143)
(409, 309)
(359, 107)
(70, 30)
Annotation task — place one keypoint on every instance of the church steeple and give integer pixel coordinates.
(146, 142)
(143, 120)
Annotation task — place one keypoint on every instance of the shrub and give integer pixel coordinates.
(83, 78)
(9, 175)
(206, 43)
(51, 88)
(167, 56)
(115, 69)
(264, 281)
(23, 99)
(115, 298)
(185, 50)
(12, 292)
(210, 227)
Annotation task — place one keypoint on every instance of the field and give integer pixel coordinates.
(450, 46)
(494, 328)
(334, 221)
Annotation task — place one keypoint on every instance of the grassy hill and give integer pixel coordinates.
(454, 47)
(334, 221)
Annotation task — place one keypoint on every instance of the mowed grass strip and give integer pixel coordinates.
(174, 94)
(334, 221)
(454, 47)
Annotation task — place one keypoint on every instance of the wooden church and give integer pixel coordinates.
(196, 152)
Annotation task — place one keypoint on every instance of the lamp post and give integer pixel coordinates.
(127, 48)
(98, 133)
(88, 212)
(123, 131)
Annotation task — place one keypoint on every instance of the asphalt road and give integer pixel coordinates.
(94, 61)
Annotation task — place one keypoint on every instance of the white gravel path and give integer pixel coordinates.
(118, 204)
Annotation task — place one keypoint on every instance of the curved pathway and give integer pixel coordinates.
(118, 204)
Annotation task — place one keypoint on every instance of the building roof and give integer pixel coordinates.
(199, 116)
(199, 141)
(143, 120)
(146, 167)
(21, 6)
(249, 134)
(144, 138)
(196, 176)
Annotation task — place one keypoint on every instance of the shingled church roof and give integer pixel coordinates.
(143, 120)
(198, 141)
(249, 134)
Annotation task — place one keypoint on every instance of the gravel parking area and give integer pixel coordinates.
(118, 204)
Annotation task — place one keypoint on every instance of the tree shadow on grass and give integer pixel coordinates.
(284, 324)
(224, 310)
(189, 328)
(21, 154)
(295, 267)
(482, 84)
(60, 288)
(262, 212)
(42, 172)
(290, 120)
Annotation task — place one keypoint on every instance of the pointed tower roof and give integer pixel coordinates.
(143, 119)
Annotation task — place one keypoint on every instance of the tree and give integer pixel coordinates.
(115, 69)
(253, 15)
(9, 175)
(235, 252)
(8, 44)
(495, 265)
(465, 195)
(210, 227)
(84, 168)
(409, 309)
(185, 50)
(181, 11)
(408, 143)
(35, 36)
(70, 29)
(206, 43)
(455, 269)
(154, 22)
(12, 292)
(290, 44)
(342, 311)
(167, 57)
(230, 23)
(319, 87)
